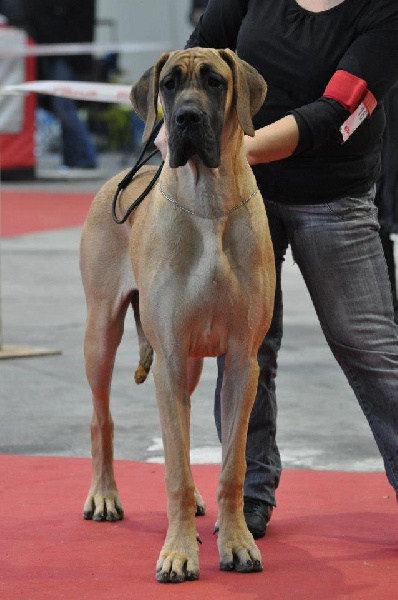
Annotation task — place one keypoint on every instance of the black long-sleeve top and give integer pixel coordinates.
(297, 52)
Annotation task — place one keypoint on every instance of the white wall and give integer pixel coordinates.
(143, 21)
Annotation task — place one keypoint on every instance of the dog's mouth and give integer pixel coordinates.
(184, 144)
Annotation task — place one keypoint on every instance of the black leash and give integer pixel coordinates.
(127, 179)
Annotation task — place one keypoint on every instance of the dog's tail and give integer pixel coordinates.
(146, 350)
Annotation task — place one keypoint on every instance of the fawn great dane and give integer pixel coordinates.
(195, 260)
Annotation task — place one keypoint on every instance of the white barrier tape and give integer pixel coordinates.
(78, 90)
(86, 48)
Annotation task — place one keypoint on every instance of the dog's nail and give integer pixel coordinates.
(242, 567)
(199, 540)
(200, 511)
(226, 566)
(257, 566)
(88, 515)
(175, 577)
(99, 517)
(161, 577)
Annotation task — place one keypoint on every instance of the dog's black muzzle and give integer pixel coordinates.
(193, 132)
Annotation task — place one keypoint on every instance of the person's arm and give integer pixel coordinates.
(273, 142)
(371, 58)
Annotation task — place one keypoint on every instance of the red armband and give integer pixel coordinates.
(352, 93)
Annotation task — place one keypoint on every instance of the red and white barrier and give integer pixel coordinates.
(78, 90)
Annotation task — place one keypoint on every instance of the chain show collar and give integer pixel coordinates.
(191, 212)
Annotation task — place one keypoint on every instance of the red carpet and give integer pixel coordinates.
(28, 211)
(334, 536)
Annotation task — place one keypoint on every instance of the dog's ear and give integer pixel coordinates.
(144, 95)
(249, 89)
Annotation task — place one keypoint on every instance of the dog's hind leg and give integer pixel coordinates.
(108, 285)
(103, 335)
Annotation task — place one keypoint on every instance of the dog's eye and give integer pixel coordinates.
(169, 83)
(214, 81)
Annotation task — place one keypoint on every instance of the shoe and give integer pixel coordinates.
(257, 514)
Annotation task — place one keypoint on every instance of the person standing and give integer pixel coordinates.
(58, 22)
(328, 64)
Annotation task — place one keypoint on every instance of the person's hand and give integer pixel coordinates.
(161, 141)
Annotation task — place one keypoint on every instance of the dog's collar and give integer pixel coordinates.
(191, 212)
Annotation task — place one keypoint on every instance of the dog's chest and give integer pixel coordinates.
(199, 280)
(209, 262)
(204, 282)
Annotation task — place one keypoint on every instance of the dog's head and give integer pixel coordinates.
(198, 88)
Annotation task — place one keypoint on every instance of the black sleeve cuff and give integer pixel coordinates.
(319, 122)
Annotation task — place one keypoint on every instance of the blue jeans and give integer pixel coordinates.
(339, 253)
(78, 149)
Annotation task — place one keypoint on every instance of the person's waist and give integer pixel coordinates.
(302, 181)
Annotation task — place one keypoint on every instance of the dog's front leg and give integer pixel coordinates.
(236, 545)
(178, 559)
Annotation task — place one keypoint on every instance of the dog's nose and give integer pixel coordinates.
(188, 116)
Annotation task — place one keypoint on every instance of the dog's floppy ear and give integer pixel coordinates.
(144, 95)
(249, 89)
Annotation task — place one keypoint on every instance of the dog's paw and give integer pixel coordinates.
(103, 507)
(176, 568)
(178, 560)
(240, 553)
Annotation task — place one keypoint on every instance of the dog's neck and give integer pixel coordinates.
(220, 189)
